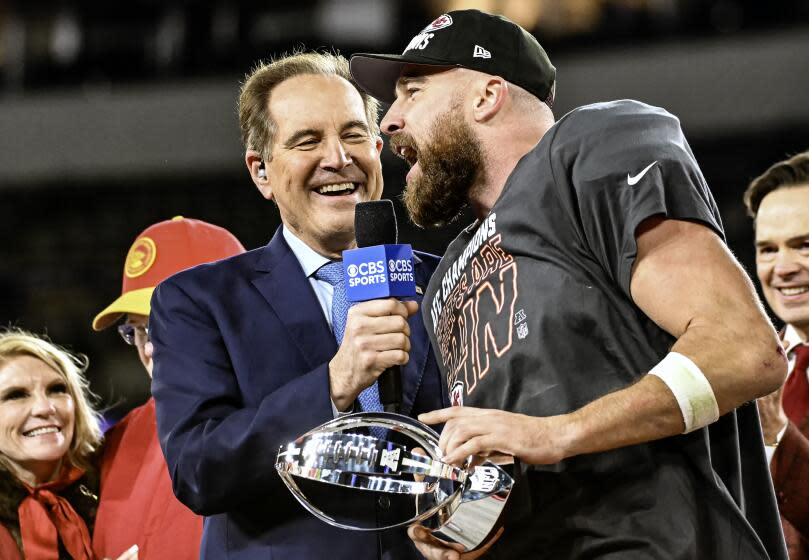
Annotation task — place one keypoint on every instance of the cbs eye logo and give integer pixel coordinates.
(400, 265)
(365, 268)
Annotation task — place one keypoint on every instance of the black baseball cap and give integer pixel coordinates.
(468, 39)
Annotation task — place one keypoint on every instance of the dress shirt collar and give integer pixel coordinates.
(792, 338)
(310, 259)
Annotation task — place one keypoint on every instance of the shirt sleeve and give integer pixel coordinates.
(620, 163)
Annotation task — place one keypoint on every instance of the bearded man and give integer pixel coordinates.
(591, 321)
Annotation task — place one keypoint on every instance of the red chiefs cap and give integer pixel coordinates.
(158, 252)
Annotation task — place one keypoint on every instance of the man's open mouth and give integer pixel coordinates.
(410, 155)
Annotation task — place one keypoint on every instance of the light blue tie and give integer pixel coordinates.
(333, 274)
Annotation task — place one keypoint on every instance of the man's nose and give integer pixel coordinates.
(336, 156)
(392, 121)
(785, 263)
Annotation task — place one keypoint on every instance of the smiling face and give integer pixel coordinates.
(37, 418)
(324, 160)
(782, 254)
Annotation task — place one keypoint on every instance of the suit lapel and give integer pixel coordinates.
(281, 282)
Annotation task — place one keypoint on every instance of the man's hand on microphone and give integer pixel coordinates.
(376, 337)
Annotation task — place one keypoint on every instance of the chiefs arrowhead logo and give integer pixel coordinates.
(439, 23)
(456, 394)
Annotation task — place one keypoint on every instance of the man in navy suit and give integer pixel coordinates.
(245, 357)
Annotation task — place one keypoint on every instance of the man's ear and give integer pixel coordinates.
(258, 172)
(490, 97)
(379, 144)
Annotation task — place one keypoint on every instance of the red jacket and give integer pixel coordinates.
(790, 476)
(137, 504)
(8, 546)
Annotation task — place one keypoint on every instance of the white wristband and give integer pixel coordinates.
(691, 389)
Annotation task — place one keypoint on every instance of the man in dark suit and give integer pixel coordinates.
(245, 351)
(778, 200)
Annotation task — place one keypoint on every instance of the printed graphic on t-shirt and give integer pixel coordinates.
(473, 313)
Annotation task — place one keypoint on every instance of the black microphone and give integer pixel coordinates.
(375, 224)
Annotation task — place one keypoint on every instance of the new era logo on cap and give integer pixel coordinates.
(480, 52)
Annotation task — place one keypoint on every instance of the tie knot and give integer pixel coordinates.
(331, 272)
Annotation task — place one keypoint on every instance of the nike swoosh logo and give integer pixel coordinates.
(634, 180)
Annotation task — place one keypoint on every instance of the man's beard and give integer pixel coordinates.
(450, 162)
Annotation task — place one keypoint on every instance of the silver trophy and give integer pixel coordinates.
(460, 505)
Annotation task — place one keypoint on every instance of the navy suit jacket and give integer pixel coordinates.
(241, 350)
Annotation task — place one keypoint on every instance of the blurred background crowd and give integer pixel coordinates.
(114, 119)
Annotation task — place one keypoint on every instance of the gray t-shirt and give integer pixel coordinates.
(530, 312)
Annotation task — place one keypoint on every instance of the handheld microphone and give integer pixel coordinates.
(379, 268)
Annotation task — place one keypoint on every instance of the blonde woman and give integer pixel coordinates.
(49, 433)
